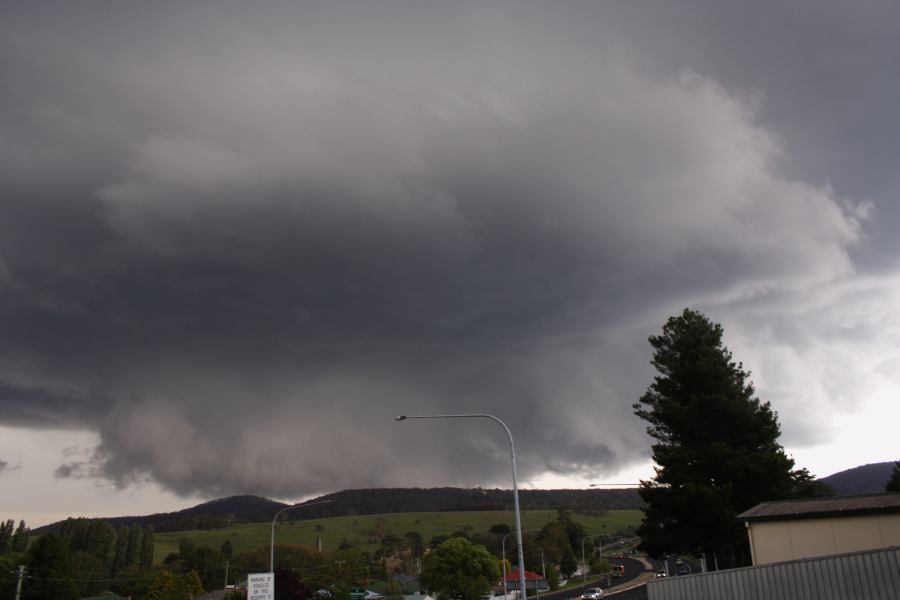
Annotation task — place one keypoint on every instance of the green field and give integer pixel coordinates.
(361, 529)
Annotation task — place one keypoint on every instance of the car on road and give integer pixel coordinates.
(592, 594)
(683, 570)
(661, 573)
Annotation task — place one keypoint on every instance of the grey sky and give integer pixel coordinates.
(236, 240)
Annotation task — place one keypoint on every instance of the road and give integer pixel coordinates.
(633, 568)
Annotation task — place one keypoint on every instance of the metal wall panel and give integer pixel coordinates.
(868, 575)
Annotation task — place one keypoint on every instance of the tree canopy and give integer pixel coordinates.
(716, 448)
(50, 574)
(460, 570)
(893, 484)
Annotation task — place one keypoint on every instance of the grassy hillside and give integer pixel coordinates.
(361, 529)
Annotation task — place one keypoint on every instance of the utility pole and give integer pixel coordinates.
(226, 572)
(543, 574)
(19, 583)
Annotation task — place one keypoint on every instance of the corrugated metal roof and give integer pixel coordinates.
(822, 507)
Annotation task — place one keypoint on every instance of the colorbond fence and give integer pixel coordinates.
(869, 575)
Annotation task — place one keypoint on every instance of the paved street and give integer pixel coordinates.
(633, 569)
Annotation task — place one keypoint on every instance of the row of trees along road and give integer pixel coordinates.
(13, 539)
(87, 556)
(716, 447)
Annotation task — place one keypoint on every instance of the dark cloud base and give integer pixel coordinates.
(236, 244)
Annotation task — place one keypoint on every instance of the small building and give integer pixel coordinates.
(795, 529)
(533, 581)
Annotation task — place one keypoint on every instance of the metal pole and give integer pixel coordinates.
(503, 552)
(503, 543)
(19, 583)
(584, 561)
(537, 588)
(275, 518)
(512, 453)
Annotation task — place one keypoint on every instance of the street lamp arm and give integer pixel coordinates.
(275, 518)
(512, 452)
(465, 416)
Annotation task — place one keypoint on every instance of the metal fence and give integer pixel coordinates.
(868, 575)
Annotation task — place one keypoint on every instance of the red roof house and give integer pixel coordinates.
(532, 580)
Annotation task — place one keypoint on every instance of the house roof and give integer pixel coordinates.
(816, 508)
(529, 576)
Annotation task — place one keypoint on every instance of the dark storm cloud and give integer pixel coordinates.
(237, 242)
(7, 467)
(67, 470)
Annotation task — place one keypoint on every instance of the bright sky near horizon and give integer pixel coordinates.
(236, 240)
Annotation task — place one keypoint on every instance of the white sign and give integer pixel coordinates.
(261, 586)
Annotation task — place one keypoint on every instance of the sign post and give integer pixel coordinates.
(261, 586)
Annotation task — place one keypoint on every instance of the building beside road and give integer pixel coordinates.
(868, 575)
(533, 581)
(827, 548)
(795, 529)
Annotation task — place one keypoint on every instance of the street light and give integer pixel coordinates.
(272, 552)
(512, 452)
(503, 545)
(583, 560)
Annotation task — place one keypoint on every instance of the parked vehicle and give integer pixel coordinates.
(592, 594)
(364, 594)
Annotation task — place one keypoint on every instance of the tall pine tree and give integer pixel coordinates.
(893, 484)
(20, 538)
(6, 533)
(50, 574)
(133, 545)
(145, 556)
(716, 450)
(120, 549)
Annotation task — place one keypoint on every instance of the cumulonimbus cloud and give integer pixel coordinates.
(266, 254)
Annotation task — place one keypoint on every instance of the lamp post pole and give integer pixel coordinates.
(503, 552)
(275, 518)
(583, 560)
(512, 453)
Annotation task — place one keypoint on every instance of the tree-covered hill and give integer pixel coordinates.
(866, 479)
(390, 500)
(208, 515)
(253, 509)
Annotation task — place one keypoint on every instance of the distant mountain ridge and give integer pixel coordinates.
(865, 479)
(213, 514)
(222, 512)
(388, 500)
